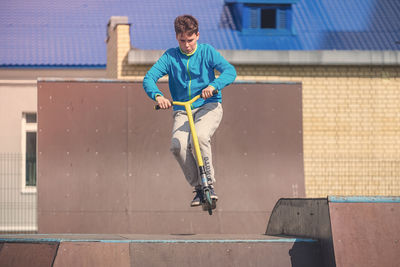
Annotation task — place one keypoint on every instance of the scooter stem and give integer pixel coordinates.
(189, 113)
(194, 134)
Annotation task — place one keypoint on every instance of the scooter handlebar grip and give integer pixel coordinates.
(214, 92)
(157, 107)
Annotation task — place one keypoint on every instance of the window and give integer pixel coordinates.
(29, 136)
(268, 18)
(262, 17)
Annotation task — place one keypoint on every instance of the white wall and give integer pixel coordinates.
(18, 94)
(18, 208)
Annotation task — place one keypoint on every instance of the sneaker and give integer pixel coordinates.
(198, 198)
(212, 193)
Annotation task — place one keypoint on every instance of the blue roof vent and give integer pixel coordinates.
(262, 17)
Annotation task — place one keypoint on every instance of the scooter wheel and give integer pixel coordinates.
(205, 205)
(210, 211)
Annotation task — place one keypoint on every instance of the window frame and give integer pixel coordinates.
(27, 127)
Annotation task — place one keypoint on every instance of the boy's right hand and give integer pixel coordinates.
(163, 102)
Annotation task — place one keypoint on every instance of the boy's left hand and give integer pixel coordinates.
(207, 92)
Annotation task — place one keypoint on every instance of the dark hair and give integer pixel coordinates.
(186, 24)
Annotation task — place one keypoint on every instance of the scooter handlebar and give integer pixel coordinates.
(157, 107)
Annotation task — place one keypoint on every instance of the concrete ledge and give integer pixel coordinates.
(19, 82)
(291, 57)
(144, 57)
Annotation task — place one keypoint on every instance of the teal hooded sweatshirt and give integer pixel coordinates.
(190, 74)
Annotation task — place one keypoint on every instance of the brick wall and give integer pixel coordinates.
(118, 46)
(351, 124)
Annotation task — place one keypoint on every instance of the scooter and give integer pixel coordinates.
(208, 203)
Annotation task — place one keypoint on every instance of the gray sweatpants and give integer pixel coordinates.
(206, 119)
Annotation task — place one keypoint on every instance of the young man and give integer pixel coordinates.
(190, 68)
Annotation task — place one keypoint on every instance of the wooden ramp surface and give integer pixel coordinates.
(104, 163)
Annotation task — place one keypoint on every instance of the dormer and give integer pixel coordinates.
(262, 17)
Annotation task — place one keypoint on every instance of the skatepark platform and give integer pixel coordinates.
(157, 250)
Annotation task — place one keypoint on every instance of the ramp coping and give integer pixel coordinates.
(40, 238)
(364, 199)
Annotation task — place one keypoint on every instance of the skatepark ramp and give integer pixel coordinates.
(353, 231)
(337, 231)
(156, 250)
(105, 166)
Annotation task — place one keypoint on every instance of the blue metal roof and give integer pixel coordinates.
(72, 33)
